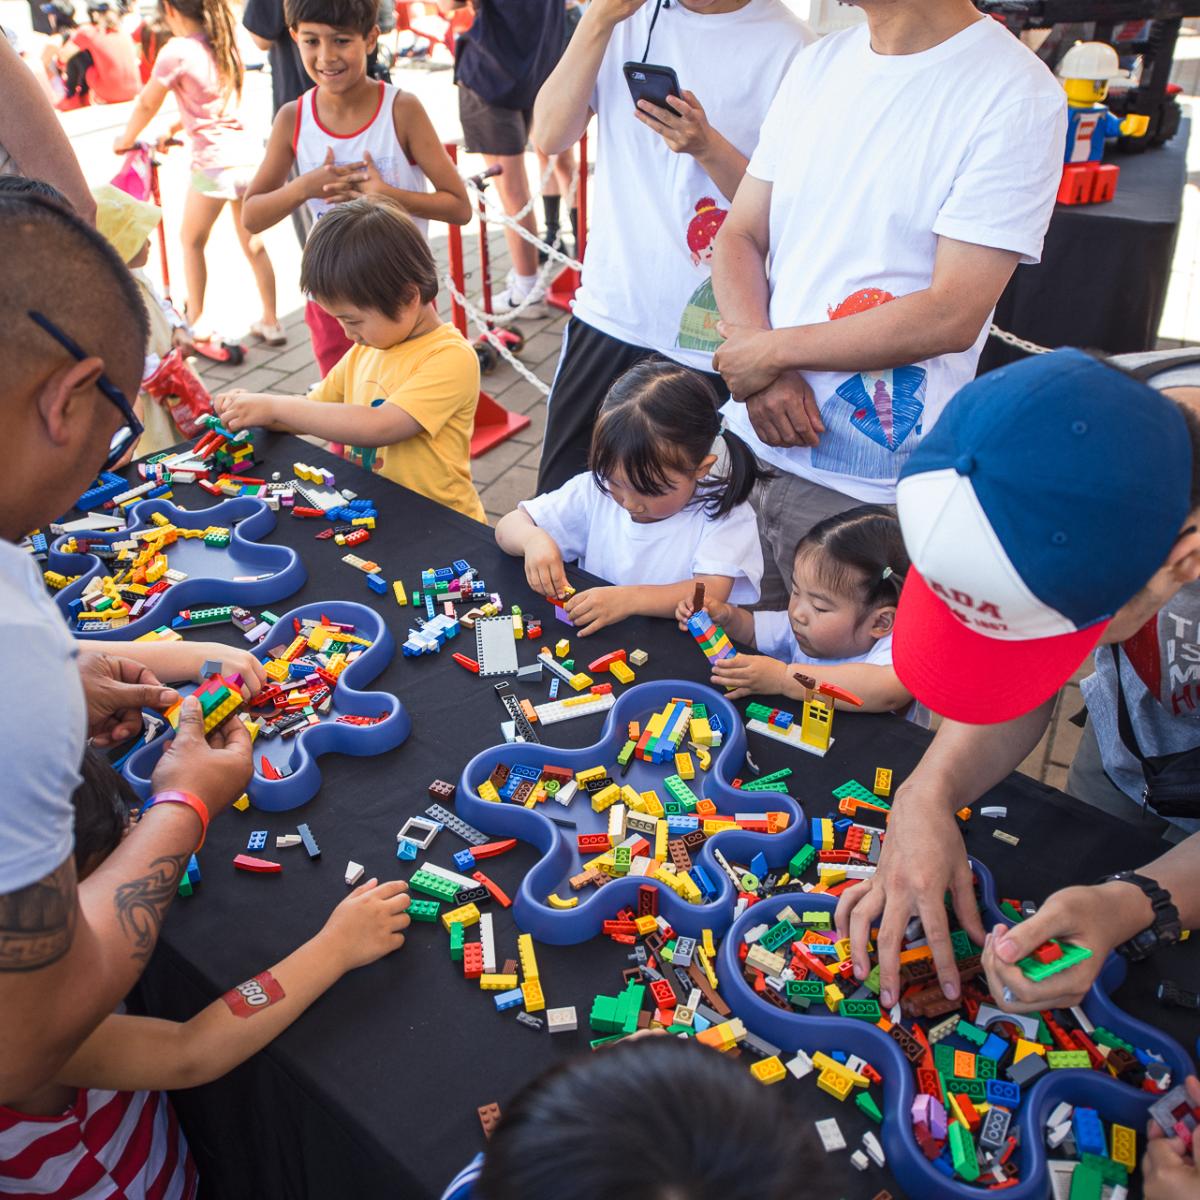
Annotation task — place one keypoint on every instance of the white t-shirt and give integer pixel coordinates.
(872, 158)
(774, 637)
(591, 528)
(655, 213)
(43, 733)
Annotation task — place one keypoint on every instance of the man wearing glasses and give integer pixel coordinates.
(72, 333)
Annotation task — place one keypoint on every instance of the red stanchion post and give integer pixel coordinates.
(561, 292)
(458, 274)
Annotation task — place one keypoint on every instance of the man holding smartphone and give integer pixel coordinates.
(665, 176)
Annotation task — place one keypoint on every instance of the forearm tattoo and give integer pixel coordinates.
(37, 922)
(142, 903)
(254, 995)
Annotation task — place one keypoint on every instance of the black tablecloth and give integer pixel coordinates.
(1102, 281)
(373, 1091)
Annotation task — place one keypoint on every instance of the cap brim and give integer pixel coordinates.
(965, 676)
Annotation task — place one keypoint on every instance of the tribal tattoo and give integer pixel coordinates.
(142, 903)
(37, 922)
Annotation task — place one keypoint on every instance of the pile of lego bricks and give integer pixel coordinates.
(303, 673)
(971, 1061)
(139, 577)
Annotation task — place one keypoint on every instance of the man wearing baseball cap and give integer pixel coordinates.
(1047, 496)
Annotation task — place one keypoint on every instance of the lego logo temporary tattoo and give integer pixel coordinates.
(254, 995)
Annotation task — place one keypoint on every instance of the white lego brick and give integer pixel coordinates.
(616, 824)
(1060, 1178)
(488, 938)
(830, 1134)
(1060, 1113)
(284, 840)
(354, 873)
(996, 811)
(873, 1148)
(799, 1065)
(858, 1160)
(426, 831)
(446, 873)
(561, 1020)
(566, 793)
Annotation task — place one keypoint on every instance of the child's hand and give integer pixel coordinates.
(544, 571)
(749, 674)
(368, 923)
(233, 660)
(332, 182)
(240, 409)
(1168, 1173)
(182, 338)
(684, 612)
(597, 607)
(372, 183)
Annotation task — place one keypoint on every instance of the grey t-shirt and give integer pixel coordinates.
(44, 729)
(1160, 675)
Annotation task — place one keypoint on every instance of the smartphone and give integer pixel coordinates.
(649, 82)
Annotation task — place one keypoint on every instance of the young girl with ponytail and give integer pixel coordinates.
(666, 503)
(202, 66)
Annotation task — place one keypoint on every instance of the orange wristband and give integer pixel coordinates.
(192, 802)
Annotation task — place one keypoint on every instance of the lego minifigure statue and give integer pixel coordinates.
(1086, 71)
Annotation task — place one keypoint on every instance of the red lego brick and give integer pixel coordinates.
(473, 960)
(247, 862)
(647, 900)
(494, 890)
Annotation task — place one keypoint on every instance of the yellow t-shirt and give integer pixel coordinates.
(435, 379)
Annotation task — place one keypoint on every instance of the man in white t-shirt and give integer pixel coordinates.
(69, 954)
(664, 181)
(905, 169)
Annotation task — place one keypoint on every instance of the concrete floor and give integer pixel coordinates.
(508, 473)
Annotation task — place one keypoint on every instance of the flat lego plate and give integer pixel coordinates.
(211, 573)
(791, 1031)
(301, 751)
(495, 646)
(560, 856)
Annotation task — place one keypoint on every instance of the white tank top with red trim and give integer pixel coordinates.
(378, 137)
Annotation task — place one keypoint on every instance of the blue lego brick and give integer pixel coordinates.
(1089, 1132)
(839, 1056)
(994, 1048)
(153, 493)
(843, 823)
(677, 826)
(377, 584)
(758, 865)
(554, 688)
(406, 851)
(511, 999)
(258, 840)
(444, 574)
(783, 720)
(38, 542)
(310, 842)
(1000, 1092)
(702, 880)
(107, 486)
(716, 724)
(460, 566)
(429, 604)
(522, 771)
(464, 860)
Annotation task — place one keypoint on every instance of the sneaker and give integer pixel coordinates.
(272, 335)
(508, 301)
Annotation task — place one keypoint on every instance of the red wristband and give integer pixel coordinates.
(193, 802)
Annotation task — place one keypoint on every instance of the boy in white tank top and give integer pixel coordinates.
(349, 136)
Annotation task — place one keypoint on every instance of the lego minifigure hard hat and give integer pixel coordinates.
(1090, 60)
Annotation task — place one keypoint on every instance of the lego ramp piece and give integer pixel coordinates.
(215, 576)
(299, 754)
(558, 848)
(495, 646)
(1115, 1101)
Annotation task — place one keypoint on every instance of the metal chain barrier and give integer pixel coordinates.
(497, 214)
(1011, 339)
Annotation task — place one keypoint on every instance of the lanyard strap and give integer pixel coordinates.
(653, 21)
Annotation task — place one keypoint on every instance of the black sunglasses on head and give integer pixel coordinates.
(132, 429)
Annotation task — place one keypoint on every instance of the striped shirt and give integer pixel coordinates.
(106, 1146)
(462, 1186)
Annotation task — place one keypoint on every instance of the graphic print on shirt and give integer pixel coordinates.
(1165, 653)
(869, 417)
(698, 324)
(367, 457)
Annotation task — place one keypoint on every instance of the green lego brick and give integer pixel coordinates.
(457, 937)
(626, 753)
(972, 1033)
(1111, 1173)
(985, 1068)
(866, 1105)
(433, 885)
(424, 910)
(856, 791)
(673, 1030)
(1061, 1060)
(778, 935)
(1037, 971)
(962, 1153)
(1105, 1037)
(872, 980)
(943, 1058)
(758, 712)
(860, 1010)
(974, 1089)
(1011, 911)
(1086, 1183)
(700, 712)
(802, 859)
(764, 785)
(963, 946)
(596, 1043)
(678, 790)
(819, 918)
(803, 992)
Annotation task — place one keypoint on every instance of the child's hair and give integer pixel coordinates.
(859, 553)
(221, 30)
(653, 1119)
(660, 417)
(104, 17)
(23, 185)
(153, 35)
(360, 15)
(102, 802)
(367, 252)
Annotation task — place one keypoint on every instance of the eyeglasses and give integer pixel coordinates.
(132, 429)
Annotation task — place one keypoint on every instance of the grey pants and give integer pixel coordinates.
(1087, 781)
(788, 506)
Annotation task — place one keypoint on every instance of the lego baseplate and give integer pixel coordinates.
(300, 753)
(212, 574)
(789, 737)
(554, 711)
(495, 646)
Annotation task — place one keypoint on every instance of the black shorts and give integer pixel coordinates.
(490, 129)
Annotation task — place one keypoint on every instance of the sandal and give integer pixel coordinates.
(271, 335)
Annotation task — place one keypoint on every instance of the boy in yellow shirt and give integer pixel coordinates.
(402, 400)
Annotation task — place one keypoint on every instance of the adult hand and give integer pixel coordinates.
(745, 358)
(215, 770)
(368, 923)
(683, 126)
(1099, 917)
(786, 412)
(750, 674)
(599, 606)
(612, 12)
(1168, 1171)
(116, 691)
(544, 571)
(240, 409)
(923, 857)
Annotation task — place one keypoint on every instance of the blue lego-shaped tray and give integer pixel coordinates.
(791, 1031)
(557, 844)
(211, 572)
(300, 753)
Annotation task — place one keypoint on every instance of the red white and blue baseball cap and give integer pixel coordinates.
(1046, 496)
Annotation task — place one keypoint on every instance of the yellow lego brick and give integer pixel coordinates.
(556, 901)
(823, 1062)
(660, 839)
(579, 681)
(531, 801)
(703, 757)
(684, 767)
(364, 522)
(465, 915)
(518, 626)
(242, 803)
(883, 782)
(688, 889)
(605, 798)
(497, 983)
(707, 967)
(632, 799)
(955, 1111)
(835, 1084)
(531, 992)
(399, 592)
(1124, 1146)
(562, 648)
(576, 701)
(582, 777)
(717, 825)
(654, 726)
(487, 791)
(667, 877)
(706, 943)
(1025, 1048)
(620, 671)
(833, 997)
(645, 925)
(769, 1070)
(653, 805)
(831, 873)
(222, 712)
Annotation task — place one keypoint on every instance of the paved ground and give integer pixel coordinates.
(508, 473)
